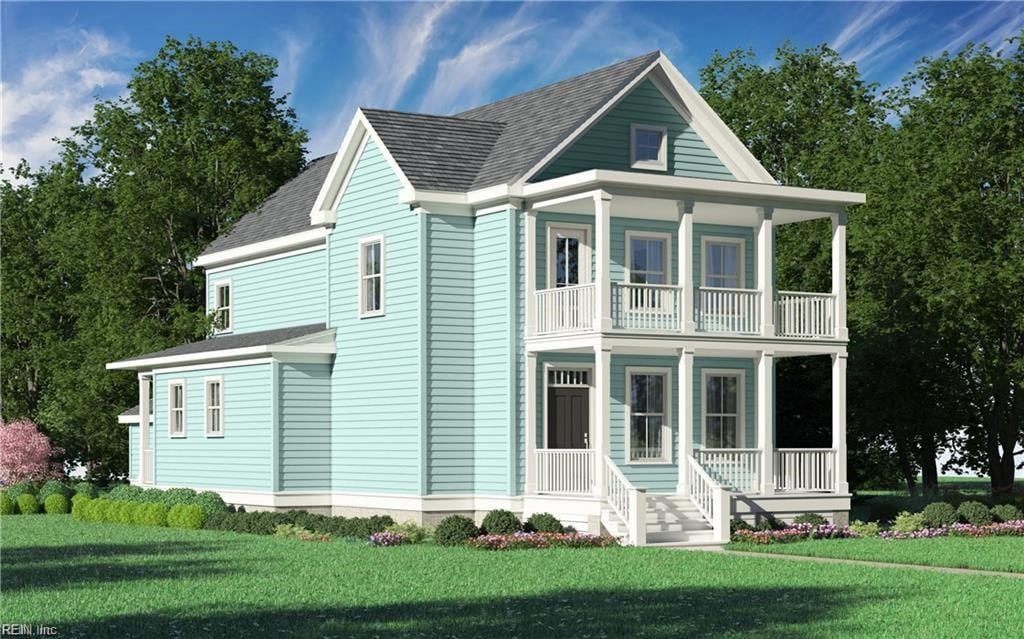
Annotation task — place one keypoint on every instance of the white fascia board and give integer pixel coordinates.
(255, 250)
(753, 191)
(472, 202)
(226, 355)
(131, 420)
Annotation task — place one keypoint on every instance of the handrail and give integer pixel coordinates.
(728, 289)
(713, 501)
(640, 285)
(804, 294)
(627, 501)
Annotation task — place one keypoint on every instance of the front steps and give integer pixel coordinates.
(672, 521)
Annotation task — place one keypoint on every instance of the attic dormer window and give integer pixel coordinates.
(648, 147)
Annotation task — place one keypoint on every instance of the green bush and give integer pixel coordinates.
(27, 504)
(152, 515)
(501, 522)
(869, 529)
(264, 523)
(543, 522)
(122, 512)
(768, 522)
(813, 519)
(210, 502)
(1006, 512)
(455, 530)
(56, 504)
(413, 533)
(938, 514)
(186, 516)
(975, 513)
(54, 487)
(908, 522)
(7, 505)
(737, 525)
(17, 490)
(87, 489)
(79, 505)
(95, 510)
(126, 492)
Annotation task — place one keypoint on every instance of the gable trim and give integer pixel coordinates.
(271, 249)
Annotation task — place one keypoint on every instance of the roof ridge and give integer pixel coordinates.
(433, 115)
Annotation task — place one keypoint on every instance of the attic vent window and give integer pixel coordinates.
(648, 147)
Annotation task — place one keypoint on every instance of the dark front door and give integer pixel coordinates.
(568, 417)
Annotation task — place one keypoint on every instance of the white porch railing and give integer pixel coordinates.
(566, 309)
(728, 310)
(627, 502)
(805, 314)
(646, 307)
(737, 468)
(805, 469)
(565, 471)
(712, 500)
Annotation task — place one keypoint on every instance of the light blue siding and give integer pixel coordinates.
(375, 385)
(304, 404)
(749, 392)
(288, 291)
(241, 459)
(607, 144)
(655, 477)
(134, 453)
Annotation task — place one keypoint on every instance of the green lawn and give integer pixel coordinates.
(1004, 554)
(107, 580)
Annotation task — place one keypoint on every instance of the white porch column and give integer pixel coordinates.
(685, 276)
(531, 423)
(765, 256)
(839, 273)
(145, 446)
(530, 249)
(765, 411)
(602, 411)
(603, 242)
(685, 418)
(839, 420)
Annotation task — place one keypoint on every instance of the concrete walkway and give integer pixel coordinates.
(879, 564)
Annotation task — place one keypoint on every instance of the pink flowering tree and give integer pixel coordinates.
(26, 454)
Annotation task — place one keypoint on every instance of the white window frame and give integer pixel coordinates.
(666, 422)
(661, 164)
(586, 260)
(219, 380)
(546, 372)
(646, 235)
(217, 286)
(742, 267)
(171, 409)
(363, 243)
(741, 421)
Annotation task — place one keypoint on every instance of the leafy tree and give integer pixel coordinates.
(26, 454)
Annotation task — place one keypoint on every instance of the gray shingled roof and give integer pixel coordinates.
(227, 342)
(286, 211)
(131, 412)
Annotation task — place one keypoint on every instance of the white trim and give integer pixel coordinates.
(217, 285)
(666, 422)
(266, 258)
(360, 148)
(585, 259)
(171, 408)
(324, 349)
(661, 164)
(264, 248)
(632, 234)
(741, 402)
(202, 367)
(132, 420)
(719, 239)
(363, 243)
(219, 380)
(548, 366)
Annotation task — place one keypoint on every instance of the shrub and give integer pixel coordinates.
(525, 540)
(543, 522)
(87, 489)
(387, 539)
(186, 516)
(27, 504)
(7, 505)
(175, 496)
(210, 502)
(121, 512)
(813, 519)
(938, 514)
(796, 532)
(54, 487)
(26, 453)
(79, 504)
(737, 525)
(410, 532)
(96, 510)
(19, 489)
(974, 513)
(862, 529)
(152, 515)
(56, 504)
(455, 530)
(126, 492)
(501, 522)
(908, 522)
(768, 522)
(1006, 512)
(264, 523)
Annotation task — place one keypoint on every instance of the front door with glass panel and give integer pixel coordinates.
(568, 409)
(722, 410)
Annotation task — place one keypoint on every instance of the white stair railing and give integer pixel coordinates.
(566, 309)
(568, 471)
(713, 501)
(737, 468)
(804, 314)
(805, 469)
(728, 310)
(646, 307)
(627, 501)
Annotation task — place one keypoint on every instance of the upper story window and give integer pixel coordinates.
(176, 408)
(214, 409)
(648, 147)
(371, 276)
(568, 255)
(648, 259)
(649, 436)
(222, 316)
(723, 263)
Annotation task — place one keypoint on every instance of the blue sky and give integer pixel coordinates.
(437, 58)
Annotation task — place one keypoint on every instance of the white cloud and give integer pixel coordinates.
(862, 24)
(291, 58)
(872, 34)
(57, 92)
(987, 24)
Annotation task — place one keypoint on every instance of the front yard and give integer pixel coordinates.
(110, 580)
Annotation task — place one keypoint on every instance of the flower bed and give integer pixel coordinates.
(387, 538)
(523, 540)
(1009, 528)
(795, 532)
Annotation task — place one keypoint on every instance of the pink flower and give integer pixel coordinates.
(26, 454)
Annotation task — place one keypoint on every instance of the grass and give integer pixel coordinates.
(1003, 554)
(108, 580)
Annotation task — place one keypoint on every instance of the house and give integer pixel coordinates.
(559, 302)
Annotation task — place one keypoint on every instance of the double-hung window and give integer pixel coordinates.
(222, 307)
(648, 261)
(722, 409)
(648, 147)
(649, 434)
(371, 276)
(176, 408)
(214, 406)
(723, 263)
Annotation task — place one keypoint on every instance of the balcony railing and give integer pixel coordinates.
(646, 307)
(565, 471)
(728, 310)
(805, 314)
(738, 468)
(805, 469)
(565, 310)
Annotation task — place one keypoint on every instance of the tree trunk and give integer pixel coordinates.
(906, 467)
(929, 470)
